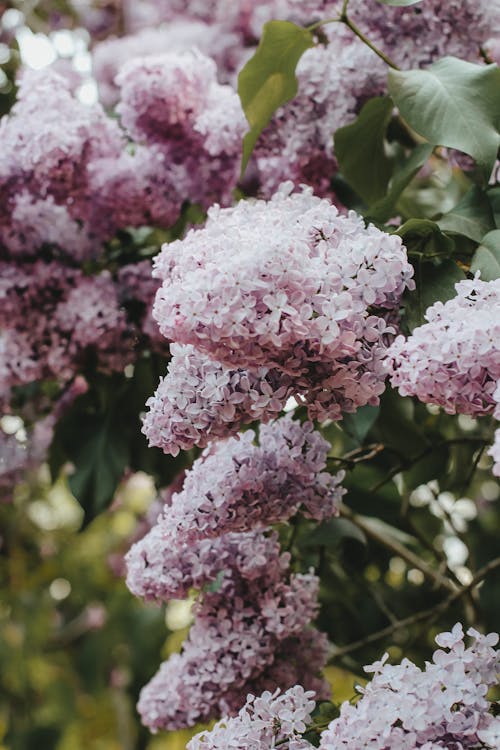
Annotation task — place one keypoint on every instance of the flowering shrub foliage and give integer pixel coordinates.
(316, 365)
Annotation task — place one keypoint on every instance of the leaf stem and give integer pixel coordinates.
(344, 18)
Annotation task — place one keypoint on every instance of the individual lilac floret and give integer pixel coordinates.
(283, 283)
(237, 485)
(200, 400)
(270, 720)
(442, 706)
(236, 633)
(454, 359)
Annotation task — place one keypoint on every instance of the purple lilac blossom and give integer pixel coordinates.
(442, 706)
(272, 719)
(200, 400)
(454, 359)
(237, 485)
(236, 633)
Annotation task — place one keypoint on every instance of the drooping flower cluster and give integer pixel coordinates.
(443, 706)
(454, 359)
(494, 451)
(291, 298)
(271, 719)
(236, 485)
(251, 622)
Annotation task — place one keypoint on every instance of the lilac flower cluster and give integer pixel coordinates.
(55, 320)
(443, 706)
(273, 299)
(250, 630)
(454, 359)
(271, 719)
(236, 485)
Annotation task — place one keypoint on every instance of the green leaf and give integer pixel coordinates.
(434, 283)
(358, 425)
(472, 216)
(384, 208)
(453, 103)
(100, 460)
(487, 257)
(422, 236)
(494, 199)
(399, 3)
(360, 150)
(268, 80)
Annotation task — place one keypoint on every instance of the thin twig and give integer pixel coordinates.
(426, 614)
(398, 549)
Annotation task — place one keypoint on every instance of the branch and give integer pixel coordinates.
(427, 614)
(398, 549)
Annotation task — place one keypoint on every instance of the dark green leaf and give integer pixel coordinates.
(494, 199)
(453, 103)
(358, 425)
(487, 257)
(472, 216)
(100, 460)
(268, 79)
(383, 209)
(434, 282)
(360, 150)
(425, 237)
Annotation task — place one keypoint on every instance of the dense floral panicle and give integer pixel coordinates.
(278, 284)
(237, 485)
(454, 359)
(200, 399)
(48, 142)
(174, 103)
(442, 706)
(271, 719)
(109, 56)
(420, 34)
(37, 222)
(160, 568)
(233, 639)
(55, 320)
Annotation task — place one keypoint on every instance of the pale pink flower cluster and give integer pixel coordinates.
(184, 33)
(49, 141)
(442, 707)
(55, 321)
(454, 359)
(174, 103)
(291, 298)
(248, 624)
(250, 630)
(236, 484)
(272, 719)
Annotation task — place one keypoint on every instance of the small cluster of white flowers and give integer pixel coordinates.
(443, 706)
(263, 722)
